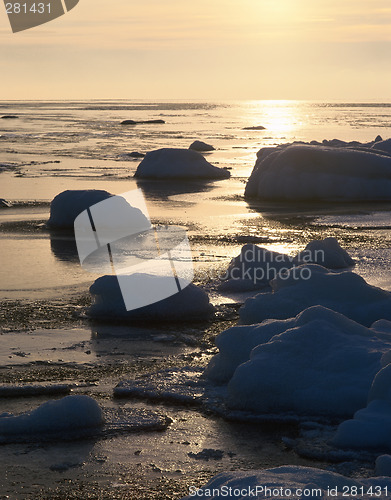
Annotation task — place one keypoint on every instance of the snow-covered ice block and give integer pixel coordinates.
(310, 172)
(383, 146)
(171, 163)
(190, 304)
(201, 146)
(322, 366)
(64, 415)
(289, 481)
(236, 344)
(307, 285)
(67, 205)
(371, 426)
(383, 465)
(327, 253)
(253, 268)
(369, 429)
(382, 326)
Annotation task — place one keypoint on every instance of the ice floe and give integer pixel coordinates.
(371, 426)
(171, 163)
(15, 391)
(307, 285)
(66, 206)
(190, 304)
(335, 171)
(290, 482)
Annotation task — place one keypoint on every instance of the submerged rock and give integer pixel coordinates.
(201, 146)
(171, 163)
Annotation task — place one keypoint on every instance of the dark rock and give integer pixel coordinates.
(9, 117)
(141, 122)
(136, 154)
(5, 203)
(257, 127)
(378, 138)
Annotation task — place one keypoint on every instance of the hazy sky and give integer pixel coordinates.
(203, 49)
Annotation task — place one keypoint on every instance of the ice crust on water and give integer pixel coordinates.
(336, 171)
(64, 415)
(255, 266)
(371, 426)
(307, 480)
(190, 304)
(171, 163)
(327, 253)
(11, 391)
(66, 206)
(307, 285)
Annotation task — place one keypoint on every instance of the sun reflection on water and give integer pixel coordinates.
(277, 116)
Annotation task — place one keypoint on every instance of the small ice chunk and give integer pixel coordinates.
(67, 205)
(170, 163)
(201, 146)
(383, 465)
(64, 415)
(4, 203)
(322, 364)
(254, 268)
(190, 304)
(371, 426)
(327, 253)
